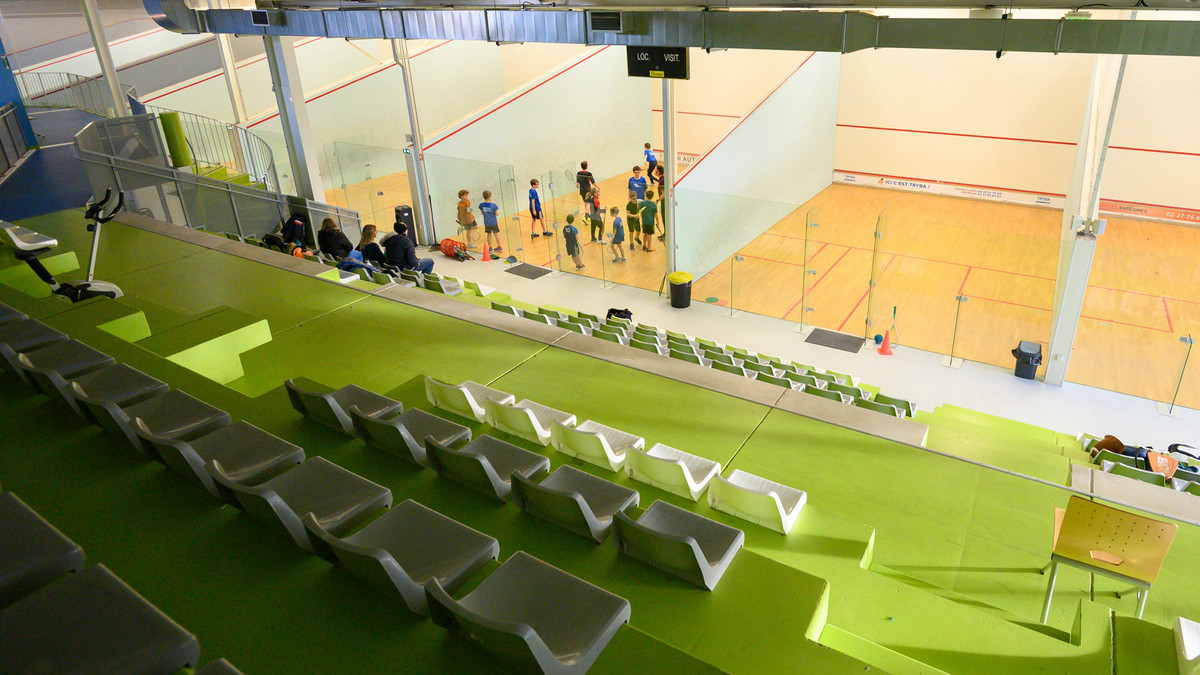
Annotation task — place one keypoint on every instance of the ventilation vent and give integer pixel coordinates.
(605, 22)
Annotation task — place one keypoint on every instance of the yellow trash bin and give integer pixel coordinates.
(681, 289)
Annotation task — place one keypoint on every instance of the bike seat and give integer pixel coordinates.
(25, 240)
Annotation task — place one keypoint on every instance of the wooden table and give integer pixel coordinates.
(1118, 544)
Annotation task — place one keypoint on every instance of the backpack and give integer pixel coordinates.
(620, 314)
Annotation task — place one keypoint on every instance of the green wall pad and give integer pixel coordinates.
(212, 344)
(22, 278)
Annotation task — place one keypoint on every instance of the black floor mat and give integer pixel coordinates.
(528, 271)
(828, 338)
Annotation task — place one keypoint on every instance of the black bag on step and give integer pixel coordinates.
(620, 314)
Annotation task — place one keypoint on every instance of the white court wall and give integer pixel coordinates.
(723, 86)
(962, 117)
(1154, 155)
(529, 60)
(779, 157)
(561, 120)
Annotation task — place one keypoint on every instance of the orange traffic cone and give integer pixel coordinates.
(486, 254)
(886, 347)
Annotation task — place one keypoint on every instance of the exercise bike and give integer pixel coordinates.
(30, 245)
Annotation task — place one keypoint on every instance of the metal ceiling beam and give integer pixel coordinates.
(771, 29)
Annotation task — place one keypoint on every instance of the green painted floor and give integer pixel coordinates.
(922, 563)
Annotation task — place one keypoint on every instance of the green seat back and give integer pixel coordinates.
(729, 368)
(605, 335)
(900, 403)
(684, 356)
(1144, 476)
(1116, 458)
(878, 407)
(718, 357)
(779, 381)
(831, 395)
(644, 346)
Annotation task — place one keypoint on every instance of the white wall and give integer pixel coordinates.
(591, 111)
(1020, 96)
(778, 158)
(723, 86)
(1157, 110)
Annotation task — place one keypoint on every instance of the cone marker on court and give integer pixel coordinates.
(486, 253)
(886, 348)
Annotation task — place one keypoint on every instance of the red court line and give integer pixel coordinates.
(701, 114)
(950, 182)
(1167, 311)
(68, 37)
(166, 54)
(864, 297)
(93, 50)
(426, 51)
(781, 262)
(1082, 316)
(742, 120)
(219, 73)
(515, 98)
(964, 282)
(1164, 152)
(326, 93)
(948, 133)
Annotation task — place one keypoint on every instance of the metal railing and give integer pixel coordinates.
(12, 138)
(66, 90)
(130, 154)
(213, 143)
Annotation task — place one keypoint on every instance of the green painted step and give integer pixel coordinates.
(1142, 648)
(212, 344)
(881, 658)
(22, 278)
(238, 178)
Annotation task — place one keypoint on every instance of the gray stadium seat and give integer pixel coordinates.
(9, 314)
(535, 615)
(171, 414)
(404, 435)
(50, 367)
(679, 542)
(466, 399)
(399, 552)
(24, 335)
(574, 500)
(92, 622)
(486, 464)
(338, 499)
(248, 455)
(119, 385)
(32, 552)
(220, 666)
(330, 408)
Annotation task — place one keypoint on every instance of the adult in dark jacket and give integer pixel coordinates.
(294, 229)
(332, 241)
(369, 248)
(402, 253)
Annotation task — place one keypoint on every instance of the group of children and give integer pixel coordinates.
(641, 210)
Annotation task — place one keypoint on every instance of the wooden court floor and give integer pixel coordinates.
(1000, 259)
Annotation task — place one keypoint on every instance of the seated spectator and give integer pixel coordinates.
(402, 253)
(371, 251)
(332, 241)
(293, 230)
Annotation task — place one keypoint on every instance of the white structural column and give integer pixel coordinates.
(293, 116)
(1080, 211)
(229, 65)
(119, 106)
(670, 162)
(422, 211)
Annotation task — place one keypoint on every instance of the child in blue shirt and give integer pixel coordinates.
(651, 160)
(571, 239)
(637, 184)
(535, 210)
(618, 239)
(491, 225)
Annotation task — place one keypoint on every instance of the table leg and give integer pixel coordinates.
(1142, 594)
(1049, 591)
